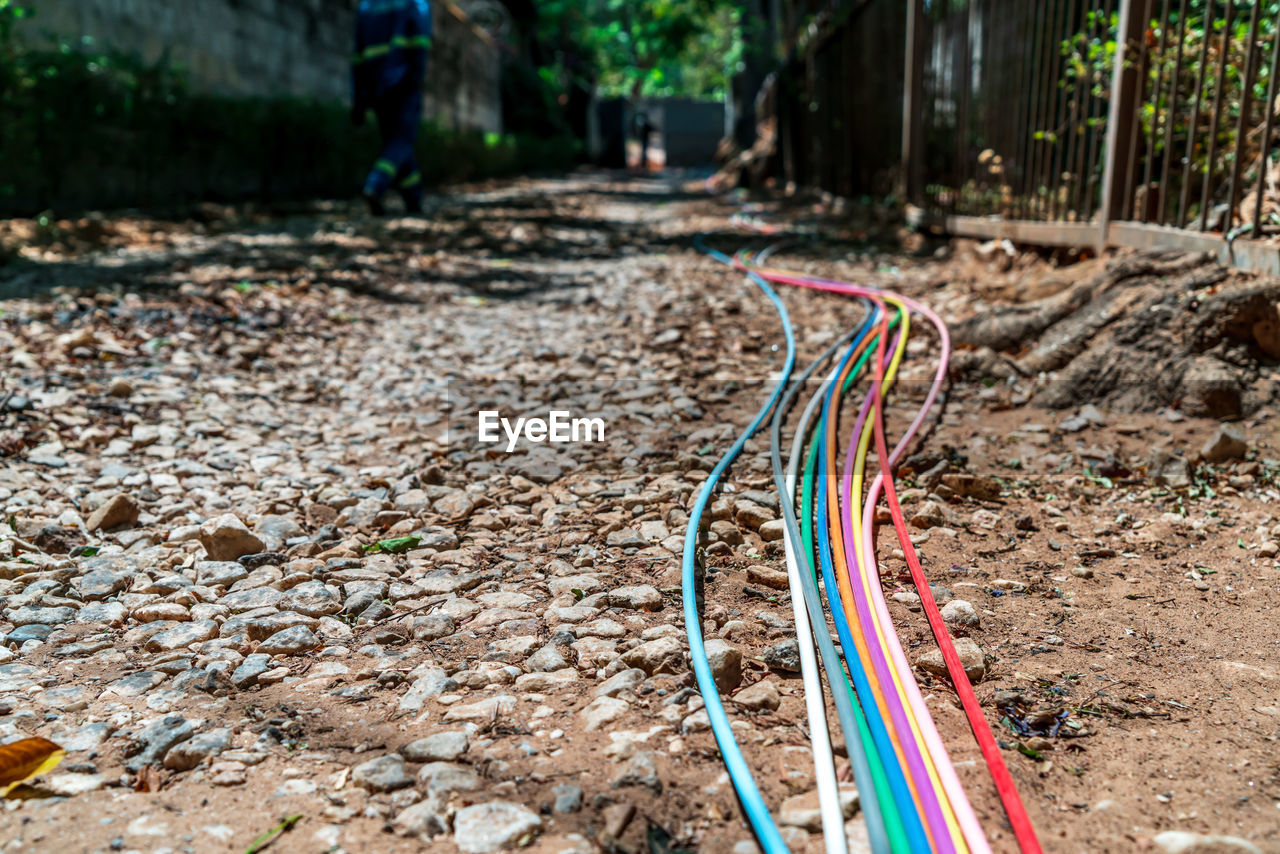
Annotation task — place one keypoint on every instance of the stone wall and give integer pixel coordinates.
(278, 47)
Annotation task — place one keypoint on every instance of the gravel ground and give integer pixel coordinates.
(257, 565)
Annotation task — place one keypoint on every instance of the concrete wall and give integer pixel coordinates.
(278, 47)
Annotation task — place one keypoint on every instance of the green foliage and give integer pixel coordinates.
(81, 127)
(642, 47)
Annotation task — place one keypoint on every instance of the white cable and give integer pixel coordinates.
(824, 770)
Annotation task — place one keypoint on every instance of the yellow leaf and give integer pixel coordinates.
(25, 759)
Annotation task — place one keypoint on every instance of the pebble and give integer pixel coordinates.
(568, 799)
(492, 826)
(958, 612)
(225, 537)
(767, 576)
(289, 642)
(1227, 443)
(762, 695)
(784, 656)
(437, 747)
(725, 660)
(803, 811)
(603, 711)
(971, 657)
(1185, 842)
(118, 511)
(197, 749)
(383, 774)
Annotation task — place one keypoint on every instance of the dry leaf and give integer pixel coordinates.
(25, 759)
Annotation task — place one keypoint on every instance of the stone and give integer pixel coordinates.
(664, 655)
(971, 657)
(1184, 842)
(430, 627)
(482, 711)
(784, 656)
(192, 752)
(437, 747)
(1167, 469)
(616, 818)
(383, 774)
(1227, 443)
(930, 514)
(760, 696)
(958, 612)
(225, 537)
(603, 711)
(118, 511)
(547, 660)
(767, 576)
(726, 663)
(253, 666)
(57, 539)
(643, 597)
(641, 770)
(219, 573)
(312, 599)
(290, 641)
(624, 682)
(568, 799)
(156, 739)
(804, 811)
(182, 636)
(99, 584)
(773, 530)
(444, 777)
(30, 616)
(492, 826)
(425, 820)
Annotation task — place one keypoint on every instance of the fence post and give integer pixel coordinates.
(912, 178)
(1126, 92)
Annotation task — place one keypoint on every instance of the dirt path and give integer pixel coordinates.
(248, 404)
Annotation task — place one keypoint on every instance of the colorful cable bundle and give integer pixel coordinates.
(911, 797)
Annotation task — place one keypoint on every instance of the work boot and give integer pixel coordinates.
(374, 202)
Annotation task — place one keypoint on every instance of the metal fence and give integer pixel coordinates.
(1130, 122)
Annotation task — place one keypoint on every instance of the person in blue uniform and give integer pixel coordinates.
(388, 71)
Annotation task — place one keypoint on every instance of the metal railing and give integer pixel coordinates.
(1057, 121)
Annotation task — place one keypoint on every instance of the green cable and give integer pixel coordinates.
(894, 828)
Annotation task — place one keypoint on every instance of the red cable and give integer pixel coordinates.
(1008, 790)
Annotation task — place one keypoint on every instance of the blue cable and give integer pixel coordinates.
(743, 782)
(908, 809)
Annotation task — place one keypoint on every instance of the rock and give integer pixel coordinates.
(767, 576)
(1082, 572)
(1268, 549)
(803, 810)
(971, 657)
(643, 597)
(1167, 469)
(726, 663)
(981, 487)
(57, 539)
(482, 711)
(493, 826)
(773, 530)
(312, 599)
(156, 739)
(762, 695)
(624, 682)
(192, 752)
(568, 799)
(1228, 443)
(438, 747)
(664, 655)
(118, 511)
(1183, 842)
(431, 627)
(547, 660)
(602, 711)
(444, 777)
(226, 538)
(616, 818)
(35, 616)
(250, 669)
(958, 612)
(183, 636)
(219, 573)
(425, 820)
(784, 656)
(384, 774)
(289, 642)
(931, 514)
(641, 770)
(99, 584)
